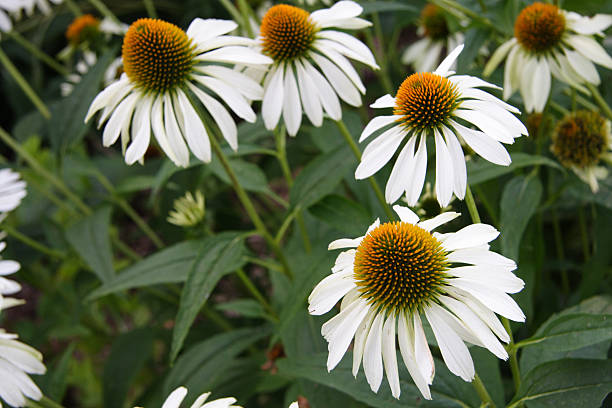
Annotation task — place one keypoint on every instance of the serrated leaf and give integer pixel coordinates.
(480, 170)
(90, 239)
(345, 215)
(66, 126)
(519, 202)
(320, 177)
(566, 383)
(127, 356)
(169, 265)
(222, 254)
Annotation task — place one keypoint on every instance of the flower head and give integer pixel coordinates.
(188, 210)
(167, 70)
(399, 271)
(549, 41)
(581, 141)
(432, 105)
(178, 395)
(424, 55)
(17, 360)
(82, 29)
(311, 63)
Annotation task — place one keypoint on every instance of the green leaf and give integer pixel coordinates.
(476, 37)
(202, 366)
(134, 184)
(127, 356)
(566, 383)
(222, 254)
(169, 265)
(250, 176)
(345, 215)
(243, 307)
(480, 170)
(90, 238)
(448, 390)
(55, 382)
(320, 177)
(573, 329)
(328, 137)
(519, 202)
(67, 127)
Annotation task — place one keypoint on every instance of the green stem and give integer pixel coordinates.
(600, 100)
(24, 85)
(74, 8)
(584, 234)
(37, 52)
(373, 183)
(249, 207)
(560, 252)
(271, 265)
(246, 12)
(44, 402)
(216, 318)
(150, 7)
(44, 173)
(487, 204)
(514, 367)
(53, 253)
(484, 395)
(382, 73)
(105, 11)
(558, 108)
(124, 249)
(231, 9)
(250, 286)
(471, 14)
(281, 148)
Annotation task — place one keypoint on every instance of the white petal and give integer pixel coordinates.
(438, 220)
(203, 30)
(413, 356)
(224, 120)
(292, 108)
(120, 117)
(360, 338)
(390, 355)
(344, 65)
(497, 57)
(415, 185)
(487, 124)
(494, 299)
(329, 292)
(589, 48)
(230, 96)
(241, 82)
(372, 355)
(141, 128)
(481, 256)
(454, 352)
(458, 161)
(339, 81)
(511, 78)
(499, 278)
(273, 99)
(379, 152)
(470, 236)
(103, 98)
(340, 329)
(327, 96)
(484, 145)
(310, 98)
(445, 65)
(175, 398)
(444, 171)
(375, 124)
(541, 82)
(494, 110)
(235, 55)
(175, 139)
(345, 243)
(386, 101)
(195, 133)
(351, 43)
(401, 173)
(583, 66)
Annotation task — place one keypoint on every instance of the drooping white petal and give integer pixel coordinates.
(450, 59)
(487, 124)
(201, 30)
(375, 124)
(221, 116)
(591, 49)
(379, 152)
(386, 101)
(372, 354)
(175, 139)
(438, 220)
(499, 278)
(194, 131)
(351, 43)
(340, 329)
(230, 96)
(494, 299)
(241, 82)
(481, 256)
(175, 398)
(484, 145)
(444, 171)
(360, 338)
(121, 115)
(339, 81)
(344, 65)
(470, 236)
(310, 98)
(458, 161)
(498, 56)
(327, 96)
(401, 173)
(141, 129)
(235, 55)
(292, 108)
(415, 185)
(541, 84)
(273, 99)
(329, 291)
(583, 66)
(389, 355)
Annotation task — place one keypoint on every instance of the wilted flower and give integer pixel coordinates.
(550, 41)
(399, 271)
(430, 105)
(581, 141)
(163, 65)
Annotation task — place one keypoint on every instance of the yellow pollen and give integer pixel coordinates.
(287, 32)
(82, 28)
(425, 100)
(434, 22)
(400, 266)
(157, 55)
(580, 139)
(539, 27)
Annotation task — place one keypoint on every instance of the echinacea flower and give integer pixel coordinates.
(550, 41)
(434, 105)
(165, 69)
(188, 210)
(12, 190)
(581, 141)
(17, 360)
(400, 271)
(7, 286)
(311, 63)
(425, 54)
(178, 395)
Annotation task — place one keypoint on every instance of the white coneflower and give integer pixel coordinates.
(433, 105)
(550, 41)
(311, 63)
(163, 64)
(425, 54)
(400, 271)
(12, 190)
(188, 210)
(17, 360)
(581, 142)
(178, 395)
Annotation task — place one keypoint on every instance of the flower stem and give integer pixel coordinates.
(514, 367)
(281, 138)
(248, 206)
(105, 11)
(37, 52)
(471, 14)
(24, 85)
(373, 183)
(484, 395)
(53, 253)
(74, 8)
(246, 12)
(44, 402)
(600, 100)
(250, 286)
(232, 10)
(382, 73)
(584, 234)
(150, 7)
